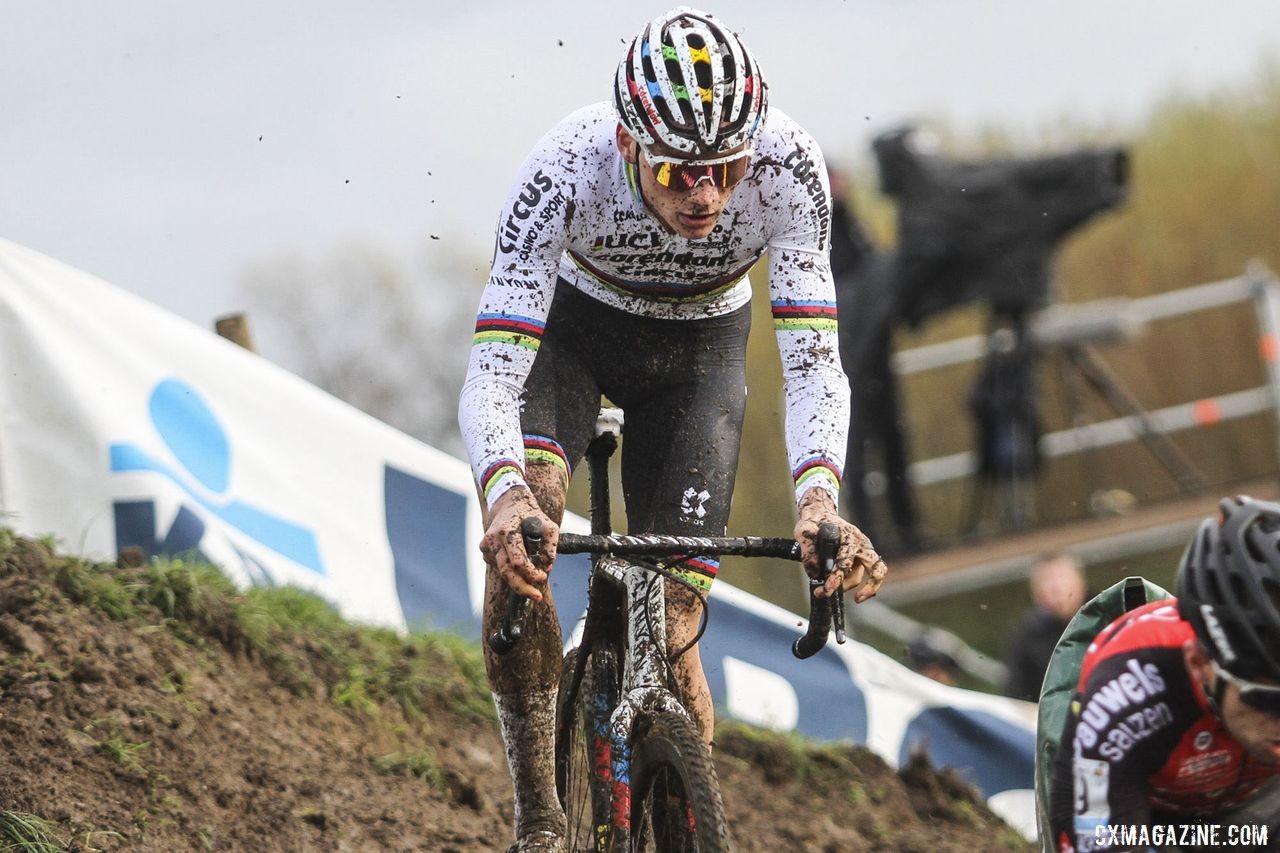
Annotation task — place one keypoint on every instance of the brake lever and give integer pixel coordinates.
(508, 634)
(828, 549)
(824, 613)
(837, 615)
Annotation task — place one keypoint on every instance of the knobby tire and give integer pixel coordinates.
(675, 796)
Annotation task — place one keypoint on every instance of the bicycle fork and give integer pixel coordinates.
(643, 691)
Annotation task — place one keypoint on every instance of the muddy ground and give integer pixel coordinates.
(154, 709)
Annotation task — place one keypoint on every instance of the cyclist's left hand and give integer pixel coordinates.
(858, 566)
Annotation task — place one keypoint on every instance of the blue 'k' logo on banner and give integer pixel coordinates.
(199, 444)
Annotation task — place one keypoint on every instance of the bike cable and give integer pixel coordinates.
(705, 617)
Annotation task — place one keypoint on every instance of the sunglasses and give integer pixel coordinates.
(1260, 697)
(677, 174)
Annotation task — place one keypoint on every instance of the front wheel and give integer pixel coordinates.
(675, 795)
(583, 772)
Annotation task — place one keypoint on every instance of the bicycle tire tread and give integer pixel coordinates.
(672, 741)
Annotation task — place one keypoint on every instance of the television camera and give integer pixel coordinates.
(983, 231)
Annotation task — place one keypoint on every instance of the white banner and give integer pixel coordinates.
(122, 425)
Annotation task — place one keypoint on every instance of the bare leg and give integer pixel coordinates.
(683, 614)
(524, 684)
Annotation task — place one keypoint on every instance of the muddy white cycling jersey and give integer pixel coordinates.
(575, 213)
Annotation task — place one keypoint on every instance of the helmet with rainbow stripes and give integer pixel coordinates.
(688, 82)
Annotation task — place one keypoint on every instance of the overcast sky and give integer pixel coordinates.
(167, 146)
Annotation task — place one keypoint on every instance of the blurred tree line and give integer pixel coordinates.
(390, 340)
(1205, 200)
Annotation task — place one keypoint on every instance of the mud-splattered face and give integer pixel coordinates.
(691, 213)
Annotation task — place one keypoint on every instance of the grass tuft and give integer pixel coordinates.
(782, 754)
(183, 590)
(123, 752)
(27, 833)
(7, 541)
(94, 586)
(421, 765)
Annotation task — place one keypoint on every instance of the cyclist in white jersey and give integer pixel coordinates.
(620, 268)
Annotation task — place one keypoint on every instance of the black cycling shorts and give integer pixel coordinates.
(682, 387)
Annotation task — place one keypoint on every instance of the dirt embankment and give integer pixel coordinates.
(155, 708)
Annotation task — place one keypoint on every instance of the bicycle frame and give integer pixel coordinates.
(645, 672)
(626, 620)
(617, 587)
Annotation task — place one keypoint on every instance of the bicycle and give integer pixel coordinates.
(632, 772)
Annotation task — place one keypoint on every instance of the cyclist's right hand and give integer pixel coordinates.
(503, 546)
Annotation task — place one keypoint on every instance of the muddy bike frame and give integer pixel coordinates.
(627, 591)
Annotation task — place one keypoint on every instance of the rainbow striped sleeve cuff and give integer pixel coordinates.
(509, 329)
(792, 316)
(499, 477)
(817, 471)
(541, 448)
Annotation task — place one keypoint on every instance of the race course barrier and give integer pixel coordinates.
(1115, 320)
(122, 425)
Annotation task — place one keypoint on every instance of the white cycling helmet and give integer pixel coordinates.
(688, 83)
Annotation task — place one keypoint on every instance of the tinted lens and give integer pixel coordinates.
(685, 176)
(1260, 697)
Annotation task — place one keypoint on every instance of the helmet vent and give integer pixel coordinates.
(1254, 550)
(1271, 587)
(1239, 589)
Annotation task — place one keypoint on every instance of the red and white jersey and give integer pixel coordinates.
(1141, 736)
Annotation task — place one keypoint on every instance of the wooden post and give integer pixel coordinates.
(235, 328)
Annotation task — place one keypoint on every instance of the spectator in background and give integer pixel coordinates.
(927, 659)
(1057, 592)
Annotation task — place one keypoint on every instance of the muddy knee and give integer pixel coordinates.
(534, 662)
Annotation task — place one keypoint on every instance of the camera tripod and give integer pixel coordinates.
(1010, 456)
